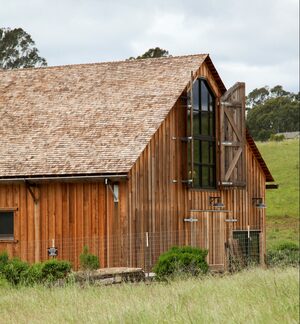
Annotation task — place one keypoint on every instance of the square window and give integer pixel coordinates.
(7, 225)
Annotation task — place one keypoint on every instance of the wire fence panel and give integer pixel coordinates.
(236, 249)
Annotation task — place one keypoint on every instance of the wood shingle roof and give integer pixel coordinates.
(86, 119)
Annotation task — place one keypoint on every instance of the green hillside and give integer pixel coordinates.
(282, 159)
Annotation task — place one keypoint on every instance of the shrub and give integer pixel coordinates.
(181, 260)
(277, 138)
(87, 260)
(53, 270)
(4, 258)
(15, 270)
(285, 254)
(33, 275)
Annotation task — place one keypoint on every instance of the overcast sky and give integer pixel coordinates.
(256, 41)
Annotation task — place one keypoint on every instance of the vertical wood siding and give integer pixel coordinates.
(71, 214)
(158, 206)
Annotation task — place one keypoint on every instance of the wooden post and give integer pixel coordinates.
(37, 216)
(192, 129)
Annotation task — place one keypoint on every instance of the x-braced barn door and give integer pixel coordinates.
(232, 137)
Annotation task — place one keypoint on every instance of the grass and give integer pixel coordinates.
(282, 159)
(253, 296)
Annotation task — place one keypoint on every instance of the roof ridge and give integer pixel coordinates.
(101, 63)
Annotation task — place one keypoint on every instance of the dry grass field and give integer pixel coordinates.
(253, 296)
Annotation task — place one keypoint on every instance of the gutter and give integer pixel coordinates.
(69, 178)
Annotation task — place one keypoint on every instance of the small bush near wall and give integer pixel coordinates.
(53, 270)
(87, 260)
(15, 270)
(4, 258)
(181, 260)
(285, 254)
(18, 272)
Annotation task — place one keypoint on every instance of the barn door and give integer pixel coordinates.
(232, 137)
(210, 234)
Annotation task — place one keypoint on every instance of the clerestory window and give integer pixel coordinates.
(202, 148)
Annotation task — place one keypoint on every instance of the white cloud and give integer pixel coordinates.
(256, 41)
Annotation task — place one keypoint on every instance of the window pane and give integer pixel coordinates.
(205, 152)
(196, 178)
(211, 153)
(205, 176)
(196, 123)
(197, 151)
(190, 176)
(196, 95)
(6, 224)
(204, 124)
(212, 177)
(211, 103)
(204, 97)
(188, 122)
(211, 125)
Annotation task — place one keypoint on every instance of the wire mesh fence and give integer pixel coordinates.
(143, 249)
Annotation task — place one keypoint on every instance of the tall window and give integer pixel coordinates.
(203, 167)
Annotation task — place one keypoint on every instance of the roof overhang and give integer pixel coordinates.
(65, 178)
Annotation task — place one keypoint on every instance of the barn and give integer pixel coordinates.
(129, 158)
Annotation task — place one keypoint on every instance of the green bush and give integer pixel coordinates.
(181, 260)
(4, 258)
(33, 275)
(277, 138)
(87, 260)
(15, 270)
(285, 254)
(53, 270)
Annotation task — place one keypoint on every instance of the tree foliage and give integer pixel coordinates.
(17, 50)
(273, 111)
(152, 53)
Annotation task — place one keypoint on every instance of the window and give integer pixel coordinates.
(6, 225)
(203, 165)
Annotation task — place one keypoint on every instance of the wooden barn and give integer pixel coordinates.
(129, 158)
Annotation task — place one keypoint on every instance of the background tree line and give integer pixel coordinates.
(272, 111)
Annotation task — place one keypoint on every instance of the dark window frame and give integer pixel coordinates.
(8, 233)
(203, 137)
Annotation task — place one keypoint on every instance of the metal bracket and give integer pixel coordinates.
(184, 139)
(189, 181)
(28, 186)
(191, 220)
(107, 182)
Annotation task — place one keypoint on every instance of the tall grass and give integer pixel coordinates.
(255, 296)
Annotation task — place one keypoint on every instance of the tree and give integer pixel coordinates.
(257, 96)
(152, 53)
(278, 91)
(17, 50)
(274, 115)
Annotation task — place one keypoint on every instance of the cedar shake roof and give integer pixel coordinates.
(89, 118)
